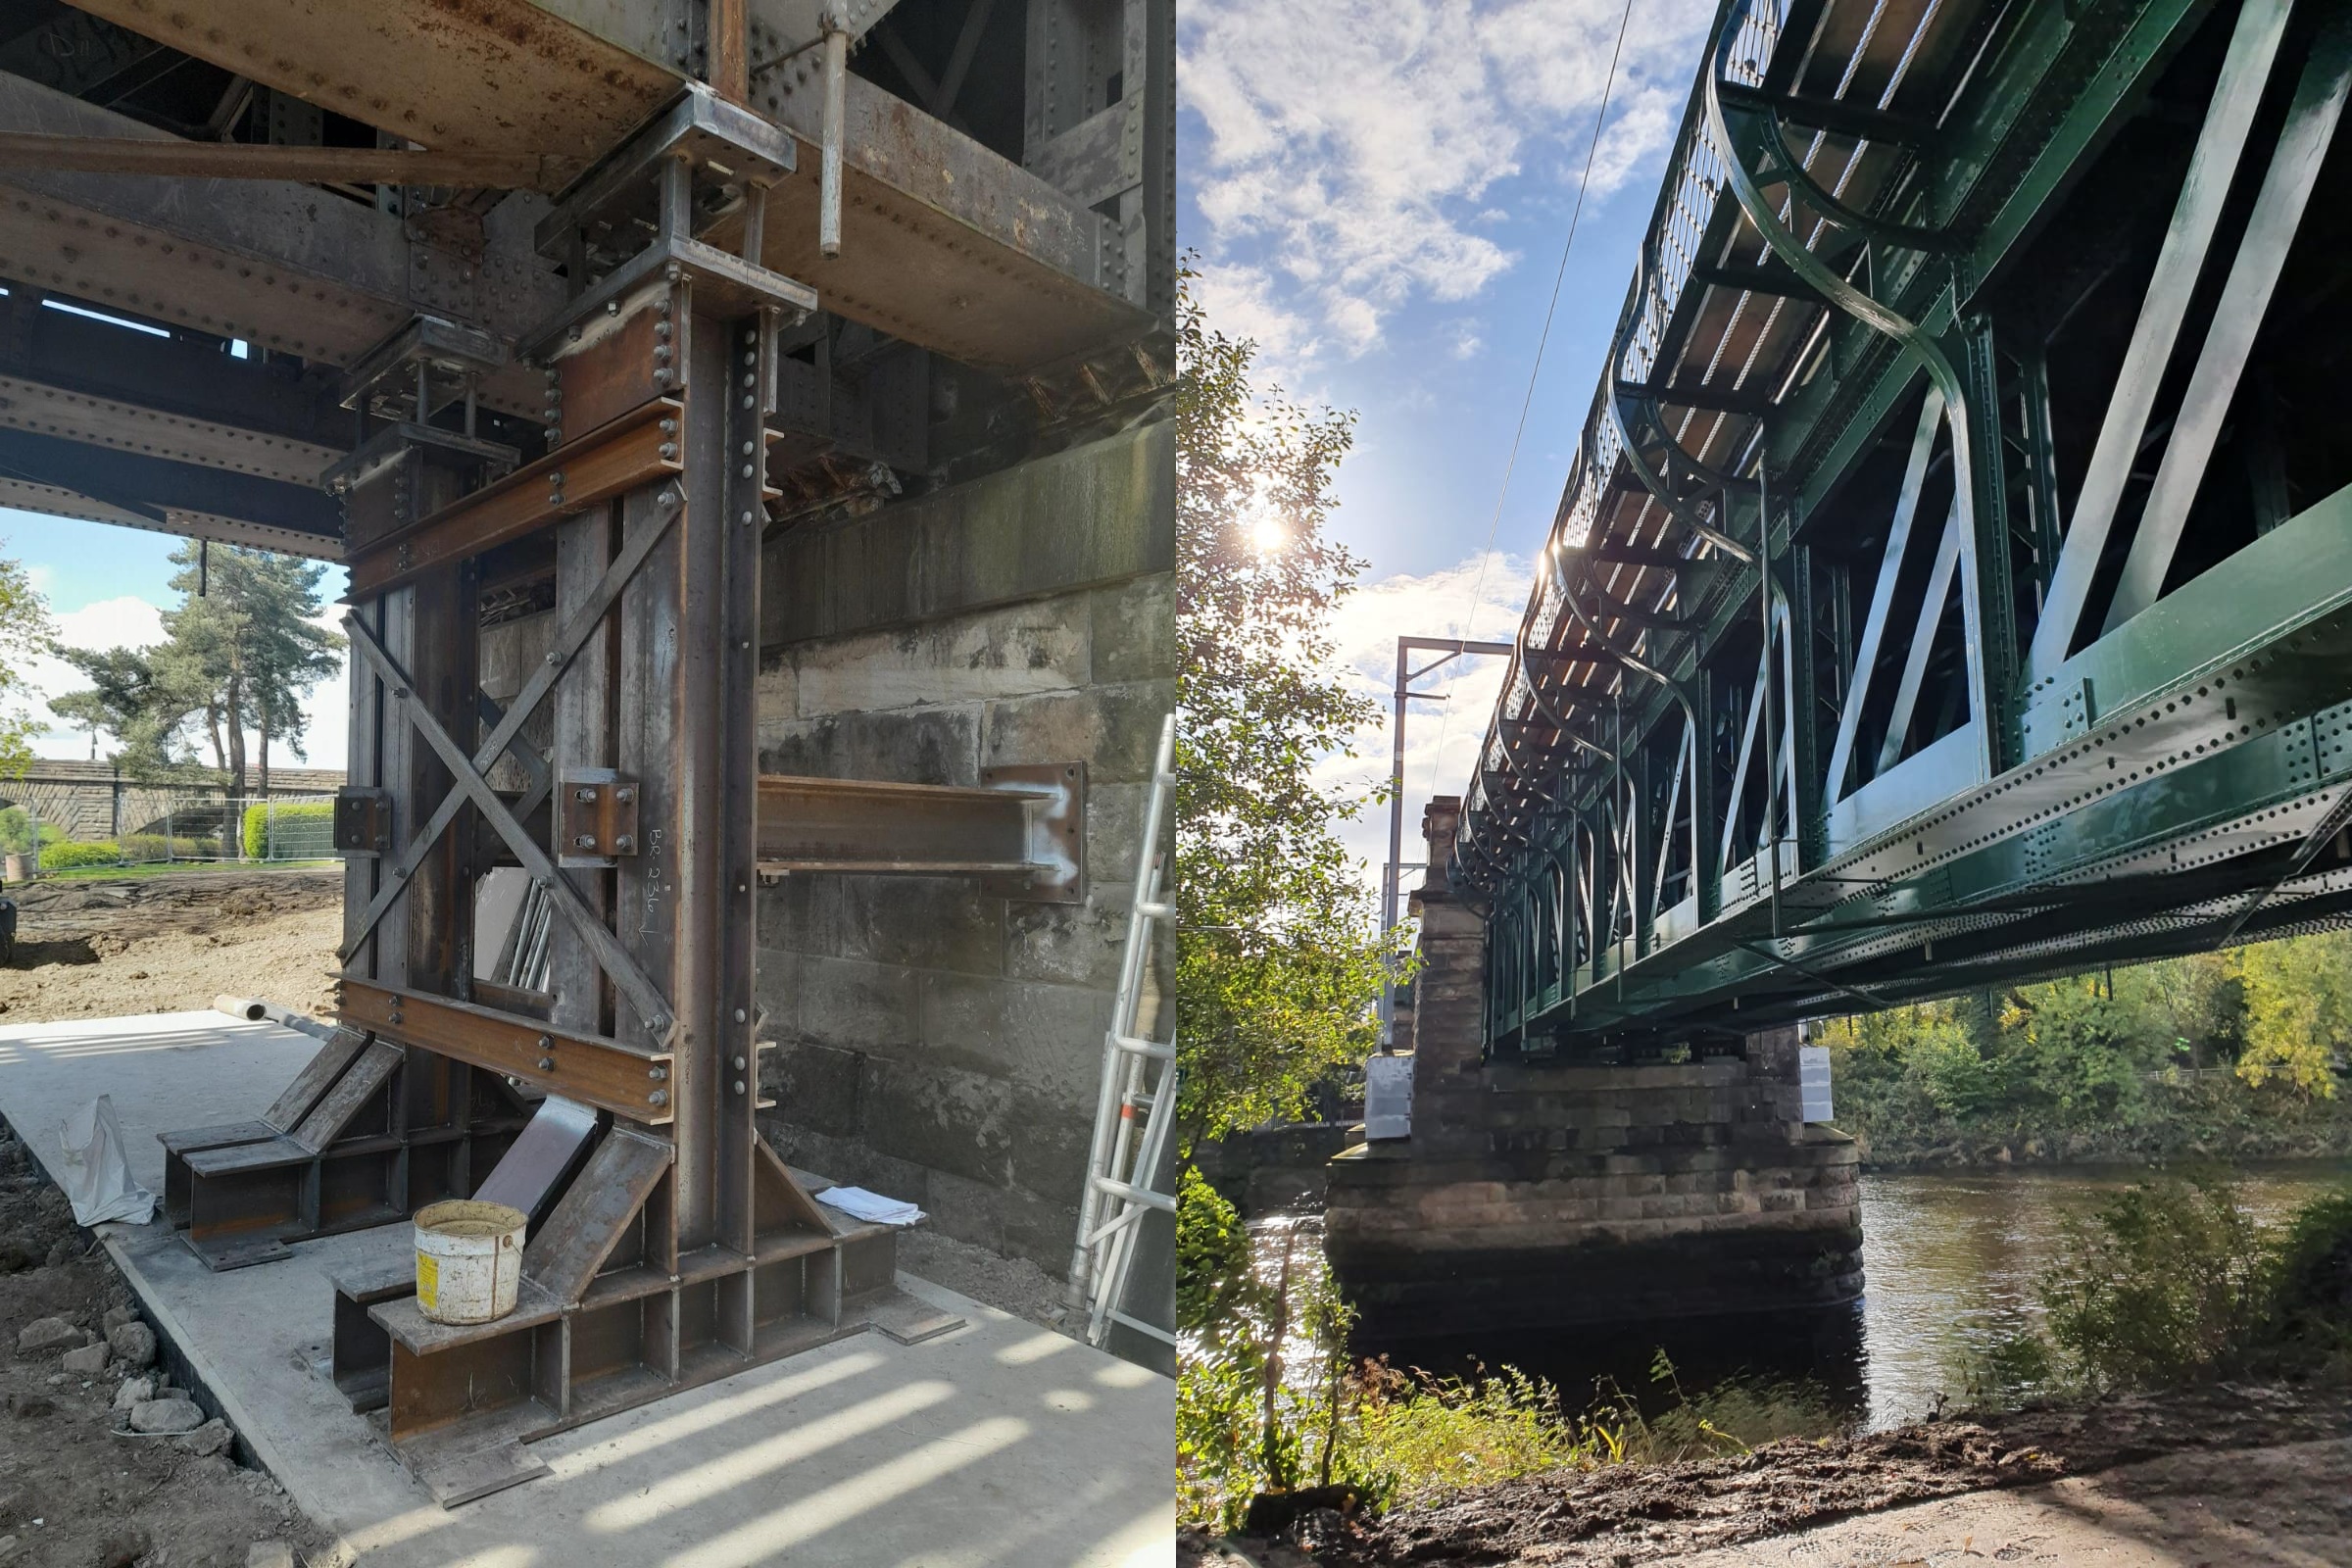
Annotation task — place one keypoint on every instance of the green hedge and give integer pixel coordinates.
(65, 857)
(299, 830)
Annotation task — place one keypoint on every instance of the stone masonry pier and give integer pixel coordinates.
(1534, 1195)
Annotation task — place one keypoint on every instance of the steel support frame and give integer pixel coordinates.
(672, 1245)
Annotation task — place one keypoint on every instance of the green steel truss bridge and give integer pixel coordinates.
(1954, 582)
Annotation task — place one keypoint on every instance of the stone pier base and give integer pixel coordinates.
(1538, 1195)
(1541, 1197)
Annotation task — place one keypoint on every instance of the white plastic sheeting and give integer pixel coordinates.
(96, 1174)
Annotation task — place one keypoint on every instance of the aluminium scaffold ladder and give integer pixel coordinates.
(1120, 1164)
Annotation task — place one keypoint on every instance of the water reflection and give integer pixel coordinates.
(1950, 1261)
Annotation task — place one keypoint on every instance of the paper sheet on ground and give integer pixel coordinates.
(871, 1206)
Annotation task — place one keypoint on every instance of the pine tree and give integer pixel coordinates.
(239, 655)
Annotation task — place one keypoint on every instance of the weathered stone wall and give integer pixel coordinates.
(934, 1042)
(1533, 1197)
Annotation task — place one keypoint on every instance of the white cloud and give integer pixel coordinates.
(1350, 147)
(1478, 599)
(130, 621)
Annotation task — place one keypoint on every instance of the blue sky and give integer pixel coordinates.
(106, 587)
(1378, 191)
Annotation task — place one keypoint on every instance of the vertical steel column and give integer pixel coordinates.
(362, 874)
(583, 741)
(442, 661)
(746, 389)
(1988, 577)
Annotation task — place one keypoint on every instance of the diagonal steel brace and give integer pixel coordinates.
(614, 960)
(566, 647)
(473, 785)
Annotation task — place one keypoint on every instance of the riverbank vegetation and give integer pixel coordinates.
(1274, 1416)
(2236, 1055)
(2172, 1280)
(2171, 1313)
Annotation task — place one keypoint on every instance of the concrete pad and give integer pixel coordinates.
(998, 1443)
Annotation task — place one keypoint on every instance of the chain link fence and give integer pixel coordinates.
(171, 828)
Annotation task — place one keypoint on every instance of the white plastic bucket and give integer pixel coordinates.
(469, 1260)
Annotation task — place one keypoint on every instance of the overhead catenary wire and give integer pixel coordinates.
(1486, 555)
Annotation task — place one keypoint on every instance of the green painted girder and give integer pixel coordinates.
(2225, 737)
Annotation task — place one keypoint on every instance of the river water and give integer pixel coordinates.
(1950, 1265)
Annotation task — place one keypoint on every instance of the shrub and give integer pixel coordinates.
(67, 856)
(289, 830)
(141, 847)
(16, 830)
(2310, 1319)
(2162, 1282)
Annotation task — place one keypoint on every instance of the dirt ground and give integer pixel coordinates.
(1619, 1516)
(104, 948)
(77, 1489)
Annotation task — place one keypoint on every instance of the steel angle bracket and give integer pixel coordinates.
(1056, 821)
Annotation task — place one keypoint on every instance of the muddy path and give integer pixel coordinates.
(104, 948)
(1618, 1516)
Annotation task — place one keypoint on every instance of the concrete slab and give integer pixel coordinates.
(998, 1443)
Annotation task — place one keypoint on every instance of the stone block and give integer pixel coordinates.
(800, 914)
(1069, 944)
(1114, 828)
(1089, 517)
(777, 986)
(1048, 1036)
(84, 1361)
(922, 923)
(1115, 729)
(946, 1119)
(967, 1211)
(1135, 630)
(1040, 645)
(815, 1087)
(1050, 1148)
(864, 1007)
(912, 746)
(1042, 1230)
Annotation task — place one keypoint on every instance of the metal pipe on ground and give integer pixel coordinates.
(254, 1009)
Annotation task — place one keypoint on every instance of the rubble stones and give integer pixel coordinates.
(136, 1391)
(87, 1361)
(46, 1334)
(133, 1341)
(209, 1438)
(270, 1554)
(116, 1317)
(166, 1415)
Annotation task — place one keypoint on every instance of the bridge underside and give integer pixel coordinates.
(1954, 586)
